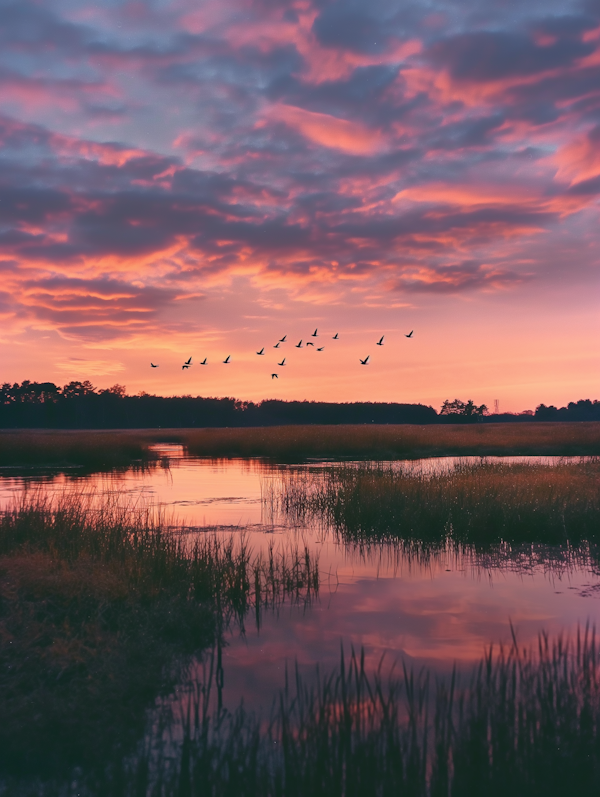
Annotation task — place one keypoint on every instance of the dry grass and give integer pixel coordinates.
(100, 608)
(89, 449)
(294, 443)
(99, 449)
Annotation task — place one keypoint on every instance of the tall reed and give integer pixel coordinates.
(479, 503)
(527, 722)
(102, 604)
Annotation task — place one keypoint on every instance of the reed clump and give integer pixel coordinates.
(525, 723)
(481, 502)
(375, 441)
(101, 606)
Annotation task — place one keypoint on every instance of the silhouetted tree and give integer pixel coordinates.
(463, 409)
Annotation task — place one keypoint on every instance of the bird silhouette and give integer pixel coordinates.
(276, 346)
(204, 361)
(308, 343)
(262, 351)
(410, 334)
(188, 362)
(335, 337)
(274, 376)
(299, 345)
(365, 361)
(227, 359)
(314, 334)
(153, 366)
(184, 366)
(282, 340)
(380, 341)
(282, 362)
(321, 349)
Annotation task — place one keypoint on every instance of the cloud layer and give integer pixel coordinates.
(153, 151)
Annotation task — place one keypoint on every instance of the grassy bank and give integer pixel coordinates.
(99, 449)
(527, 724)
(92, 450)
(100, 609)
(482, 503)
(294, 443)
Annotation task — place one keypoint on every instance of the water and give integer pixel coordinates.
(436, 612)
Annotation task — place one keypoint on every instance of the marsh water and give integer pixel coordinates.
(431, 610)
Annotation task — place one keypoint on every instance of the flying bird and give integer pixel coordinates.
(274, 376)
(188, 362)
(227, 359)
(282, 362)
(308, 343)
(204, 361)
(409, 334)
(299, 345)
(282, 340)
(314, 334)
(380, 341)
(184, 366)
(153, 366)
(276, 346)
(335, 337)
(365, 361)
(321, 349)
(262, 351)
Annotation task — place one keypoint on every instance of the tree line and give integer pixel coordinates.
(79, 405)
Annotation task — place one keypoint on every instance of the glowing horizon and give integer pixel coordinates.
(198, 180)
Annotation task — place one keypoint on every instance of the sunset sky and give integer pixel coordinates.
(200, 177)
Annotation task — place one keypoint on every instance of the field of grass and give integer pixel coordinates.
(101, 607)
(92, 450)
(101, 449)
(294, 443)
(482, 503)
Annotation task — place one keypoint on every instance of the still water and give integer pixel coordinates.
(435, 613)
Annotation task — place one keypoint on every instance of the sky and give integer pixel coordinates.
(201, 177)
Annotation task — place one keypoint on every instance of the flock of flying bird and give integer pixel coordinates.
(187, 364)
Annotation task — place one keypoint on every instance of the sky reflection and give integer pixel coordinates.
(426, 607)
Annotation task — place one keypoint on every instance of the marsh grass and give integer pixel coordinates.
(481, 503)
(295, 443)
(102, 604)
(91, 450)
(106, 449)
(526, 722)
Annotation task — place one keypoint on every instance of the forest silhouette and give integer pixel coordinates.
(79, 405)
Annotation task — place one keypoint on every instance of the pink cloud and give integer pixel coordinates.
(329, 131)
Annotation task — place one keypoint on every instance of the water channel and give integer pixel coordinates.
(431, 613)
